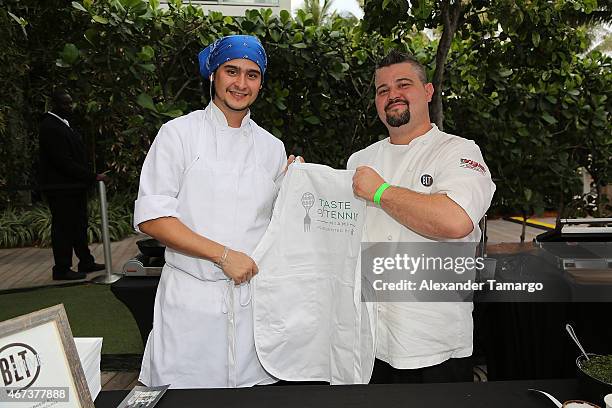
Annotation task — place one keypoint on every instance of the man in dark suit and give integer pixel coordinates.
(65, 178)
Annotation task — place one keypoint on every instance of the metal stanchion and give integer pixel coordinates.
(109, 277)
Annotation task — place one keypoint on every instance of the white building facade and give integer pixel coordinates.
(238, 7)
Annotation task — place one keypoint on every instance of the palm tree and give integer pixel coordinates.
(604, 45)
(320, 10)
(601, 15)
(598, 23)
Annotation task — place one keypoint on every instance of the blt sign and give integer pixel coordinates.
(19, 365)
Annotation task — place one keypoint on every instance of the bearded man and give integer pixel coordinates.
(430, 187)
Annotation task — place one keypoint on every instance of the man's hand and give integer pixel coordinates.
(291, 159)
(365, 182)
(239, 267)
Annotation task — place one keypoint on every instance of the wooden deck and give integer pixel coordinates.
(119, 380)
(31, 267)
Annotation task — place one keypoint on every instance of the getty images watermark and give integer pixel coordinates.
(458, 272)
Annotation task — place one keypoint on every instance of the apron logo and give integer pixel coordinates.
(336, 216)
(472, 165)
(308, 200)
(426, 180)
(19, 366)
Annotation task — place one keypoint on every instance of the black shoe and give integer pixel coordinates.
(68, 274)
(94, 267)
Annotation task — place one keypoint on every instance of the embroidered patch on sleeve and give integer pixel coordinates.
(473, 165)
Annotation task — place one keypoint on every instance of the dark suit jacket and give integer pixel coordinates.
(63, 161)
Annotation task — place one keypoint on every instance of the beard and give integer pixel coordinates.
(398, 119)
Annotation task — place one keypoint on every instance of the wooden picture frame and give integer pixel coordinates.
(37, 354)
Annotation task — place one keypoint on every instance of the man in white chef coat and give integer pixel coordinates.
(428, 186)
(206, 191)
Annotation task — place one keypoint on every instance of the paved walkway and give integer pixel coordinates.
(501, 231)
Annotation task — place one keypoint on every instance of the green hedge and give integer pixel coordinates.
(538, 109)
(32, 226)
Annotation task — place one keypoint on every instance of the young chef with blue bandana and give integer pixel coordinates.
(207, 189)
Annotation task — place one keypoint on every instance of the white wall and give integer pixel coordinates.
(238, 7)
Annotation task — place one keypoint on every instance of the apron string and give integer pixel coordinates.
(248, 288)
(227, 307)
(228, 304)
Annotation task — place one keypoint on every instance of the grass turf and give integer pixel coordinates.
(93, 311)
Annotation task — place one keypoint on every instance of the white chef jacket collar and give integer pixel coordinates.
(425, 138)
(429, 135)
(220, 119)
(60, 118)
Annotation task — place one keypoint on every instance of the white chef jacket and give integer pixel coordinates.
(220, 182)
(411, 334)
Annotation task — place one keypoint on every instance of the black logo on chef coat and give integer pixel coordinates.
(426, 180)
(19, 365)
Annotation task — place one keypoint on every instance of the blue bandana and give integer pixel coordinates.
(229, 48)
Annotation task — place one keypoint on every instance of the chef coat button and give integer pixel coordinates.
(389, 237)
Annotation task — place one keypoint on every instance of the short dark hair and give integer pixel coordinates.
(208, 88)
(397, 57)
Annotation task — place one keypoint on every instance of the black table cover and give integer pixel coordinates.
(503, 394)
(138, 294)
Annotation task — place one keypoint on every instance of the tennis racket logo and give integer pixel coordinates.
(308, 200)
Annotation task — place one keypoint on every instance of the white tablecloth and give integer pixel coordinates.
(90, 353)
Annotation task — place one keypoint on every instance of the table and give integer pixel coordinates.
(528, 340)
(89, 350)
(503, 394)
(138, 294)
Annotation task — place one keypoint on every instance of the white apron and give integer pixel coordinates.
(310, 323)
(202, 333)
